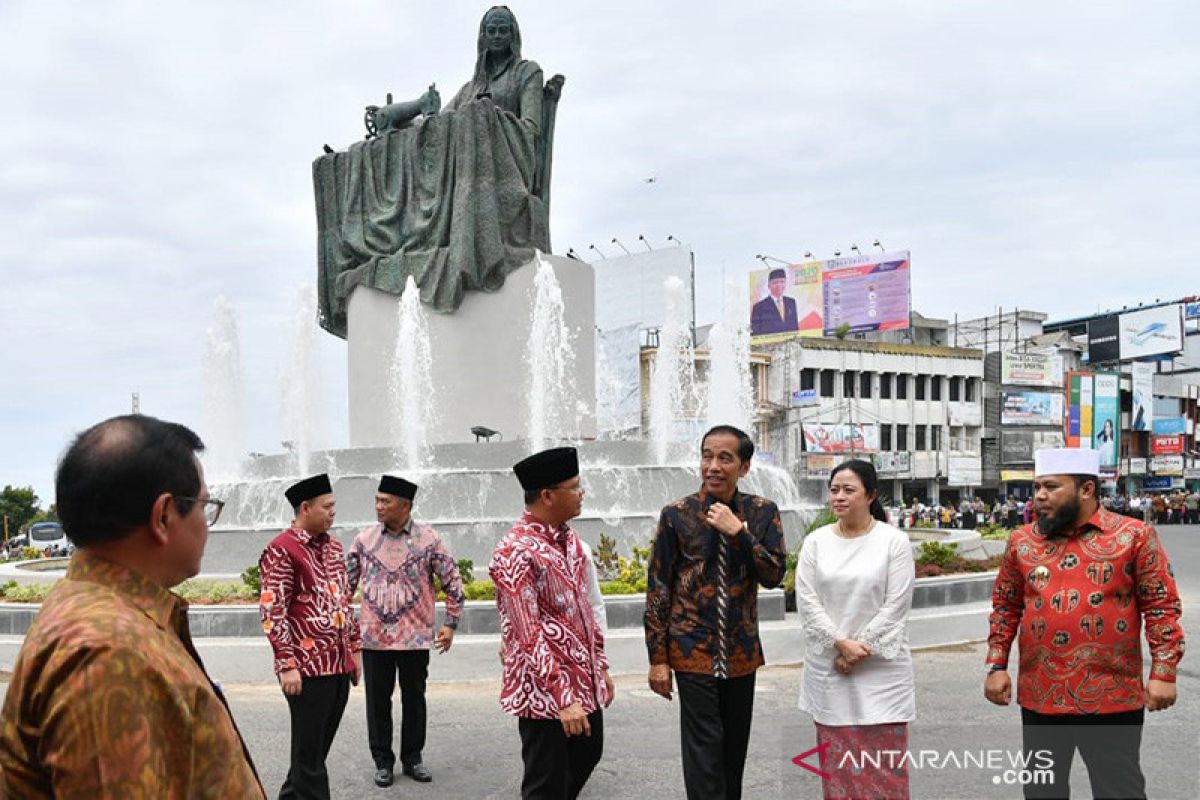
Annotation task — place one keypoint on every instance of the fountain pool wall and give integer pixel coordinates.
(472, 497)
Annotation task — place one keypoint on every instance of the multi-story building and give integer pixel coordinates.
(914, 409)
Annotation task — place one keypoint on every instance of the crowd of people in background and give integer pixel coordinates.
(1166, 508)
(1163, 508)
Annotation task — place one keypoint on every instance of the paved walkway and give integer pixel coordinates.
(473, 749)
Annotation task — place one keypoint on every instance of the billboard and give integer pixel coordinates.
(1151, 332)
(964, 471)
(891, 462)
(1106, 428)
(1030, 368)
(1157, 483)
(1142, 383)
(865, 293)
(1191, 310)
(630, 290)
(1137, 466)
(1030, 408)
(819, 466)
(1170, 426)
(1010, 475)
(1166, 445)
(801, 398)
(1078, 423)
(1166, 465)
(842, 438)
(1018, 447)
(868, 293)
(618, 381)
(1104, 337)
(788, 305)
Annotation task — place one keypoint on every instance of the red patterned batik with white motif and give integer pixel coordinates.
(305, 604)
(1076, 606)
(553, 649)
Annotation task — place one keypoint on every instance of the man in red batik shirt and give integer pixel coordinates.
(305, 609)
(1074, 589)
(555, 671)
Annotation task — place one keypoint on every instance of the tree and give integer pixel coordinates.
(19, 505)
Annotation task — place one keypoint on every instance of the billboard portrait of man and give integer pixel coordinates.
(775, 313)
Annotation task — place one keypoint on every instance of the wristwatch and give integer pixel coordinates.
(997, 668)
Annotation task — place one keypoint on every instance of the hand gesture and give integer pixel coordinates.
(660, 680)
(574, 721)
(289, 680)
(445, 638)
(1160, 695)
(998, 688)
(852, 650)
(720, 517)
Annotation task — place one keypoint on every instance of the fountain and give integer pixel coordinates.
(223, 432)
(729, 392)
(409, 381)
(468, 491)
(549, 355)
(673, 380)
(300, 384)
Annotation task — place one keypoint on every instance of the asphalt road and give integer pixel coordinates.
(473, 749)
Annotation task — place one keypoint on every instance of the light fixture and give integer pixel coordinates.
(623, 247)
(642, 239)
(485, 434)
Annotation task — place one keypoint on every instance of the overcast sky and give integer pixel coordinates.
(157, 155)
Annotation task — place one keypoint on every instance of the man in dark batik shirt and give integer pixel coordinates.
(711, 551)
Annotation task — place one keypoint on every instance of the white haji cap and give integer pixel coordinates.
(1066, 461)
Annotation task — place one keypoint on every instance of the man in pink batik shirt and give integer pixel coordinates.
(395, 560)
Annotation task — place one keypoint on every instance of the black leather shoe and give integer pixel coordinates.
(383, 777)
(418, 773)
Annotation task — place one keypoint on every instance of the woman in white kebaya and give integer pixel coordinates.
(854, 586)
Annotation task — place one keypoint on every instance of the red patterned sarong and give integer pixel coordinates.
(864, 762)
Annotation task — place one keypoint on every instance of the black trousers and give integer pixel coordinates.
(316, 713)
(556, 765)
(380, 669)
(1108, 743)
(714, 727)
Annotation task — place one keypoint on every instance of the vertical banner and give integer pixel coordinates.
(1107, 422)
(1142, 410)
(1078, 427)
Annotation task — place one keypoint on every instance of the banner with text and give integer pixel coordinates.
(1078, 427)
(1018, 447)
(1166, 445)
(1029, 368)
(892, 462)
(1106, 428)
(1030, 408)
(1142, 384)
(1151, 332)
(865, 293)
(843, 438)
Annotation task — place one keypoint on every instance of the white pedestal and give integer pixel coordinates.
(480, 371)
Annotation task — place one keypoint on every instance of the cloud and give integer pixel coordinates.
(157, 156)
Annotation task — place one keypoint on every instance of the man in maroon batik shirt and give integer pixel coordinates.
(305, 609)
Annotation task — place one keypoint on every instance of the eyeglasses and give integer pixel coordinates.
(212, 508)
(576, 489)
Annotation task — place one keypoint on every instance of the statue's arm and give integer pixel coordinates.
(531, 98)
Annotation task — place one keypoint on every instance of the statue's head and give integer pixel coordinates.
(499, 34)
